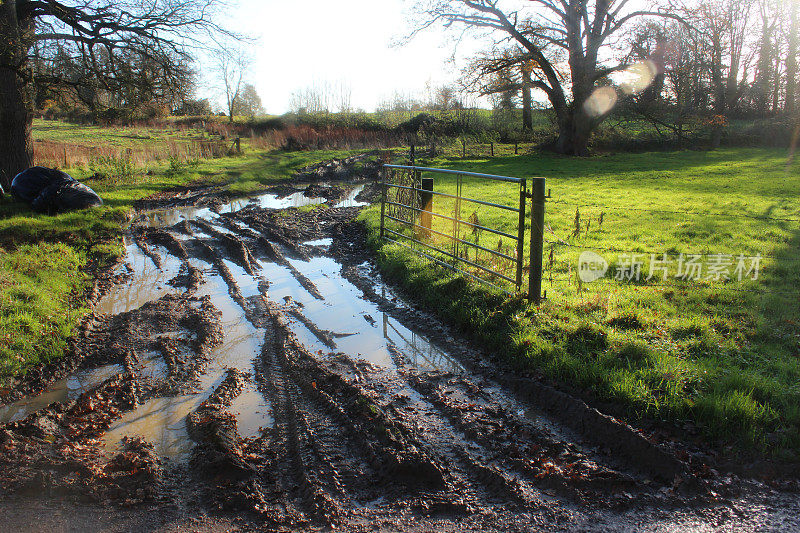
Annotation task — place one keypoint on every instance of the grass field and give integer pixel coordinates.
(722, 355)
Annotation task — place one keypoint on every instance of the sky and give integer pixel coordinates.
(304, 42)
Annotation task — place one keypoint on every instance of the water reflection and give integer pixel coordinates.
(350, 199)
(351, 318)
(252, 411)
(162, 421)
(417, 348)
(148, 282)
(64, 390)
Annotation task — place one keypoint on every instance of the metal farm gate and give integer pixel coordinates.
(407, 201)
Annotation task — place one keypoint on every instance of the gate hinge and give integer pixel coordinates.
(530, 195)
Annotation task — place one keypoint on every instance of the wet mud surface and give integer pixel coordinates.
(252, 370)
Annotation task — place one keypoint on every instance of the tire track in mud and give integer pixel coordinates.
(295, 432)
(403, 453)
(478, 467)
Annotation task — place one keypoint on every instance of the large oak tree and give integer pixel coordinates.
(109, 37)
(582, 29)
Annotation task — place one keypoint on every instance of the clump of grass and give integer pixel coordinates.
(114, 170)
(43, 278)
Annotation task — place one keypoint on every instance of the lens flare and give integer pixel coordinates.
(602, 100)
(638, 77)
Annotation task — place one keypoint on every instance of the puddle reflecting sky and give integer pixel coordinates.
(162, 218)
(148, 283)
(252, 412)
(367, 331)
(162, 421)
(350, 199)
(61, 391)
(358, 326)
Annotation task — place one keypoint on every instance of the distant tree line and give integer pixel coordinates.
(676, 65)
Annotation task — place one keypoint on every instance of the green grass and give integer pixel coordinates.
(43, 278)
(724, 355)
(44, 260)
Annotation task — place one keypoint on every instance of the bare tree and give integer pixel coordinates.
(344, 97)
(231, 68)
(504, 72)
(581, 28)
(791, 63)
(766, 75)
(726, 28)
(120, 31)
(248, 103)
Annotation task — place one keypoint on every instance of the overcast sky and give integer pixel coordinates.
(301, 42)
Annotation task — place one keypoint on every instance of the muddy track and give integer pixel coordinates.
(305, 393)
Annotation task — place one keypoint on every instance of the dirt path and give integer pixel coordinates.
(256, 372)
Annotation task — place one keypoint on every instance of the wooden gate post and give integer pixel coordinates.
(426, 204)
(384, 194)
(537, 241)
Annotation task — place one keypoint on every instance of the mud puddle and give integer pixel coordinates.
(162, 421)
(65, 390)
(341, 321)
(357, 327)
(148, 281)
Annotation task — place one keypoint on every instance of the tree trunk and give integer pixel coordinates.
(527, 111)
(716, 136)
(574, 131)
(16, 120)
(791, 65)
(16, 107)
(764, 74)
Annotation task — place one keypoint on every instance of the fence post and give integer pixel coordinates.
(516, 148)
(238, 145)
(491, 147)
(523, 201)
(383, 200)
(537, 241)
(412, 155)
(426, 204)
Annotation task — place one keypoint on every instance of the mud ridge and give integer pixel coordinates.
(236, 248)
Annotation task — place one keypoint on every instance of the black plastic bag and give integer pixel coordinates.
(66, 197)
(29, 184)
(50, 190)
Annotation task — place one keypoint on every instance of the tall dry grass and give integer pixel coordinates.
(66, 155)
(305, 137)
(218, 139)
